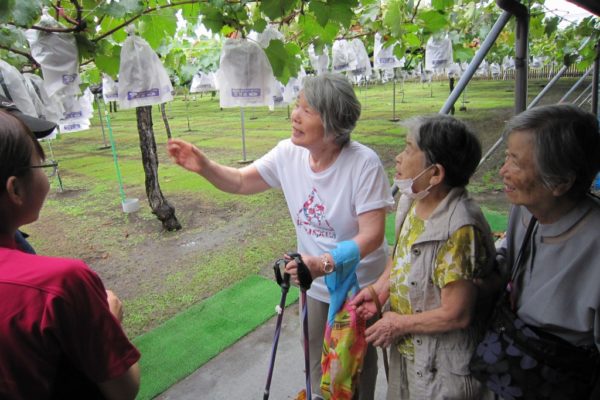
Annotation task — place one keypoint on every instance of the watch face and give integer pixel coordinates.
(327, 266)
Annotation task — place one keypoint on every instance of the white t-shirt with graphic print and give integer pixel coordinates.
(324, 206)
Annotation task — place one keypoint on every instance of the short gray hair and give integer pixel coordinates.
(333, 97)
(566, 144)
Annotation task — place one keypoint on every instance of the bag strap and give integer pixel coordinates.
(517, 271)
(375, 298)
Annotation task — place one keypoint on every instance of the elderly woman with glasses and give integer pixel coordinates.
(443, 243)
(60, 330)
(336, 191)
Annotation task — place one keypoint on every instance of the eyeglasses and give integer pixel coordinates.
(49, 172)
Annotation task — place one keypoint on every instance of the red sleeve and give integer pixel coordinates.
(84, 327)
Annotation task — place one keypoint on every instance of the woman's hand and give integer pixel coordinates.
(313, 263)
(364, 303)
(114, 305)
(387, 330)
(186, 155)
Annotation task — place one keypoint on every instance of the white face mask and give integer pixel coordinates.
(405, 186)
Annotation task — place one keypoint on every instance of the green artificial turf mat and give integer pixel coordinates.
(181, 345)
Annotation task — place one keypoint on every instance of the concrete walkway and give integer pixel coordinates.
(240, 372)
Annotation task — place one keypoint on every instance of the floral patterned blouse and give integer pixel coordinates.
(457, 259)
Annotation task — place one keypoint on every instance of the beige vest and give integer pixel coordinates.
(450, 351)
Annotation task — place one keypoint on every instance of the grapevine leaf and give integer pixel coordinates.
(24, 13)
(108, 24)
(91, 76)
(275, 9)
(340, 11)
(393, 17)
(441, 5)
(85, 47)
(412, 40)
(312, 30)
(259, 25)
(370, 13)
(283, 59)
(121, 9)
(433, 21)
(551, 25)
(190, 12)
(212, 18)
(13, 37)
(108, 58)
(155, 27)
(463, 53)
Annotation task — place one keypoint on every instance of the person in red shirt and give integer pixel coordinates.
(60, 329)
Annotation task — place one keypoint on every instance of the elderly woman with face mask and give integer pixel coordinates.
(551, 255)
(443, 243)
(336, 191)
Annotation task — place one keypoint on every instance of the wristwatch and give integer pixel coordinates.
(327, 267)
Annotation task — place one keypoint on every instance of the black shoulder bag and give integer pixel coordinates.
(517, 361)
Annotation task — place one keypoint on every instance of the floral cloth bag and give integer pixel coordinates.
(344, 345)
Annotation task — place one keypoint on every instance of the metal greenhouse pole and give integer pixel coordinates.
(556, 77)
(474, 64)
(583, 93)
(521, 50)
(575, 86)
(595, 80)
(521, 60)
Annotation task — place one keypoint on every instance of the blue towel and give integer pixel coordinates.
(346, 256)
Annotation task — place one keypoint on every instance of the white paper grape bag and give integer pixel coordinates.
(245, 76)
(143, 80)
(57, 55)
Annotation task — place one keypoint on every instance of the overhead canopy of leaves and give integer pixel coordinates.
(405, 23)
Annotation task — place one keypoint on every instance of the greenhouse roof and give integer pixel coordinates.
(592, 6)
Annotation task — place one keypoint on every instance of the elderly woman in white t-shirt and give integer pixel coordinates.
(336, 191)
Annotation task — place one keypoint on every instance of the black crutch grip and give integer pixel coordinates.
(283, 281)
(304, 276)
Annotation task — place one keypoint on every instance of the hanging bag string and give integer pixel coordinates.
(517, 272)
(375, 298)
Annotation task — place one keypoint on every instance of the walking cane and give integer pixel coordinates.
(305, 279)
(284, 282)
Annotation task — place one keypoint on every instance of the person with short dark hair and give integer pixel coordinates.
(337, 194)
(40, 128)
(443, 243)
(60, 329)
